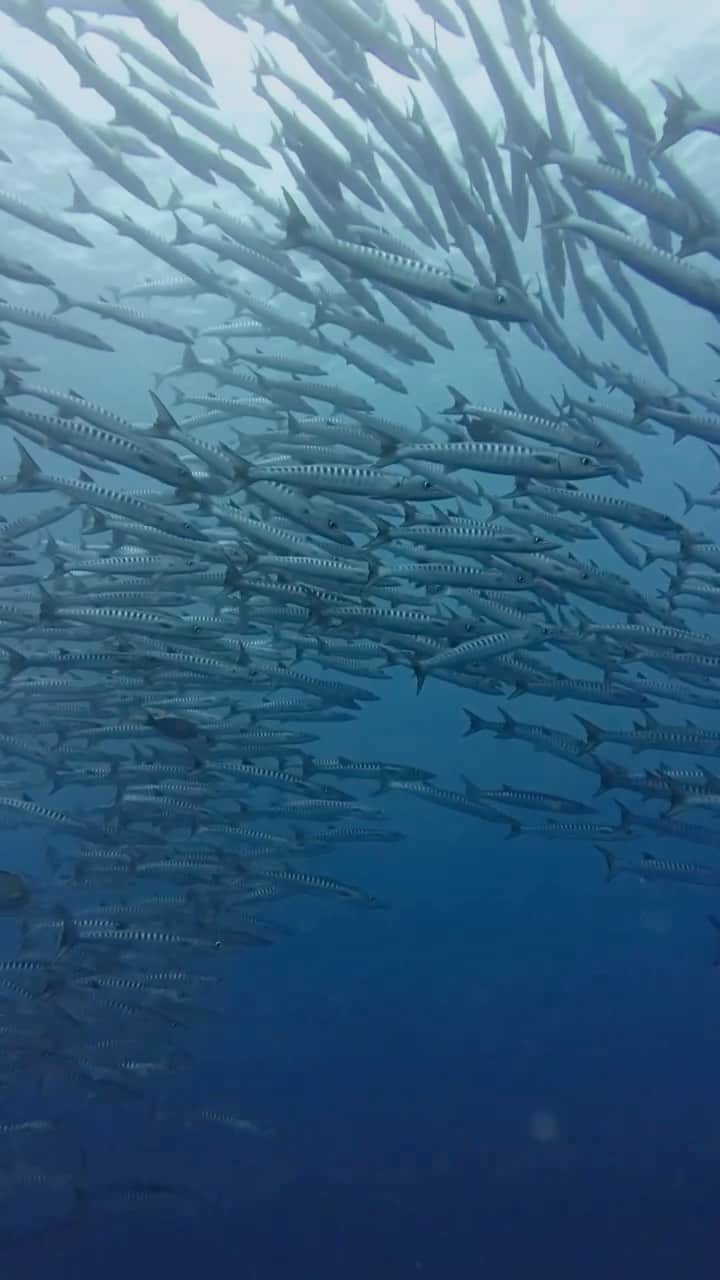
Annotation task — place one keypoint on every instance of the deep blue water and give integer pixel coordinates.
(514, 1069)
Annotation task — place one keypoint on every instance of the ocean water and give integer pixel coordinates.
(513, 1069)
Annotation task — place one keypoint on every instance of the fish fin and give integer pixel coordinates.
(459, 400)
(12, 384)
(16, 661)
(420, 674)
(472, 790)
(610, 862)
(64, 302)
(687, 497)
(164, 424)
(189, 360)
(80, 202)
(475, 723)
(521, 687)
(296, 225)
(627, 817)
(508, 726)
(593, 733)
(69, 933)
(183, 234)
(28, 472)
(48, 605)
(715, 922)
(608, 777)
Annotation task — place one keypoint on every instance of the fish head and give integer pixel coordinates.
(584, 466)
(505, 302)
(461, 629)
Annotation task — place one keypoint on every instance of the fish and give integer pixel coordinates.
(211, 625)
(651, 868)
(409, 275)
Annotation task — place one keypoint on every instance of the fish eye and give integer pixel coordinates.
(469, 627)
(500, 296)
(538, 539)
(217, 944)
(427, 484)
(332, 524)
(586, 462)
(521, 578)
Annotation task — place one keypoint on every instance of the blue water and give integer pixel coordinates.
(511, 1071)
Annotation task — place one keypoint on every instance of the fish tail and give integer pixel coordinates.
(296, 225)
(521, 687)
(69, 933)
(475, 723)
(80, 202)
(715, 922)
(164, 424)
(687, 497)
(189, 360)
(593, 733)
(12, 384)
(610, 862)
(175, 199)
(459, 400)
(48, 605)
(420, 674)
(183, 234)
(627, 818)
(507, 729)
(28, 472)
(15, 661)
(678, 797)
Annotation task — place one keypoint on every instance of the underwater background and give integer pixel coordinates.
(514, 1068)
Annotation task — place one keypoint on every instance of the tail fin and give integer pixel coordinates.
(16, 661)
(716, 926)
(164, 424)
(593, 733)
(475, 723)
(28, 472)
(610, 862)
(48, 605)
(190, 362)
(608, 776)
(385, 782)
(64, 302)
(80, 202)
(420, 674)
(473, 791)
(627, 818)
(687, 497)
(459, 400)
(12, 384)
(297, 224)
(183, 234)
(69, 933)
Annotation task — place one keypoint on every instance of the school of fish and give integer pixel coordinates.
(189, 604)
